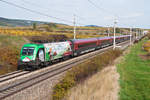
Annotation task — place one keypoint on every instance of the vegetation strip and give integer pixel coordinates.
(81, 72)
(9, 52)
(135, 75)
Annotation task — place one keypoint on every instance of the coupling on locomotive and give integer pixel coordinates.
(35, 56)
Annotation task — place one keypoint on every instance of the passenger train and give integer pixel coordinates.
(35, 56)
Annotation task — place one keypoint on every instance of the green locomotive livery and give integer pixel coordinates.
(37, 55)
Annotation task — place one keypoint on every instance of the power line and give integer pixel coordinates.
(109, 12)
(36, 5)
(116, 16)
(33, 11)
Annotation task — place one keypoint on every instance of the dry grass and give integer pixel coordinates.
(101, 86)
(9, 52)
(83, 71)
(69, 33)
(54, 29)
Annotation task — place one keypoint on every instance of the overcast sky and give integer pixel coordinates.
(129, 13)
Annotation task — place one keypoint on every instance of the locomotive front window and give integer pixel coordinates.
(28, 51)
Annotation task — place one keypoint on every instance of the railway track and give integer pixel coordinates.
(12, 75)
(17, 86)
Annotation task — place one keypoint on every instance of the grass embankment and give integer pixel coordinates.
(80, 72)
(9, 52)
(135, 75)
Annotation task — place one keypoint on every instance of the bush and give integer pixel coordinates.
(62, 88)
(81, 72)
(146, 46)
(148, 35)
(47, 38)
(9, 52)
(9, 55)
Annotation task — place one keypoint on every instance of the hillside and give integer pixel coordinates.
(9, 52)
(18, 22)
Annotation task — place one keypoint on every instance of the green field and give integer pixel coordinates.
(135, 75)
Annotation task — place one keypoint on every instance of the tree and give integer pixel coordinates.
(148, 35)
(52, 25)
(117, 30)
(34, 26)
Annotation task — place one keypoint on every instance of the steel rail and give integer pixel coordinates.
(13, 75)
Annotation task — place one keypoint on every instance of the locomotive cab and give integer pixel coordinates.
(31, 55)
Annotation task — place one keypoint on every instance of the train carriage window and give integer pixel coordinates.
(104, 41)
(87, 44)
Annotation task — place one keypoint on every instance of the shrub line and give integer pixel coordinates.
(81, 72)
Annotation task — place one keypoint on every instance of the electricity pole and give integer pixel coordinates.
(108, 31)
(139, 33)
(74, 22)
(142, 32)
(130, 36)
(114, 44)
(136, 33)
